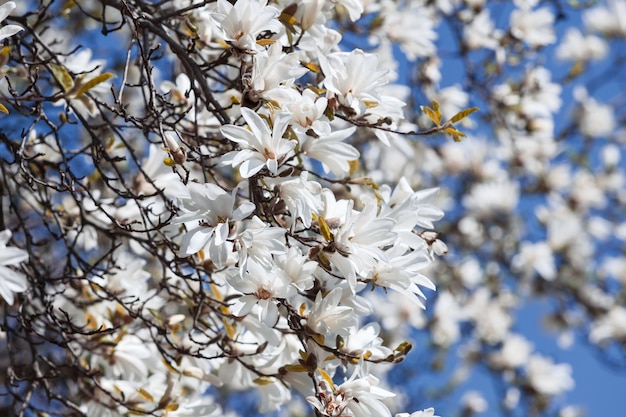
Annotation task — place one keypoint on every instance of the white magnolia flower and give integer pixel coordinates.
(308, 12)
(410, 209)
(274, 70)
(202, 407)
(514, 352)
(244, 20)
(448, 315)
(536, 257)
(595, 119)
(261, 287)
(609, 18)
(429, 412)
(331, 150)
(536, 28)
(539, 96)
(490, 198)
(262, 147)
(11, 281)
(358, 397)
(7, 30)
(328, 317)
(210, 208)
(353, 7)
(401, 273)
(302, 197)
(307, 112)
(480, 32)
(547, 378)
(578, 47)
(87, 69)
(297, 267)
(346, 81)
(128, 360)
(413, 28)
(366, 339)
(490, 315)
(273, 396)
(610, 326)
(181, 92)
(358, 242)
(474, 402)
(260, 241)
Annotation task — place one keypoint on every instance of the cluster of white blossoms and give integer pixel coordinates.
(240, 203)
(264, 256)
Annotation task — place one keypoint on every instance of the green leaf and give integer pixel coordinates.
(463, 114)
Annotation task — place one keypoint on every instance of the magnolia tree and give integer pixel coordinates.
(202, 199)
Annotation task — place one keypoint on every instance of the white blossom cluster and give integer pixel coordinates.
(250, 204)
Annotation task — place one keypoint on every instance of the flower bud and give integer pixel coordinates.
(179, 155)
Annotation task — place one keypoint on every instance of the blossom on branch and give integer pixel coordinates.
(11, 281)
(8, 30)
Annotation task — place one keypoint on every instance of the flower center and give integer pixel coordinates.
(269, 154)
(263, 294)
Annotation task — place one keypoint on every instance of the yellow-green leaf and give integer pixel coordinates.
(171, 407)
(312, 66)
(145, 394)
(432, 115)
(404, 347)
(5, 51)
(340, 342)
(98, 79)
(326, 377)
(168, 366)
(263, 380)
(437, 110)
(463, 114)
(354, 165)
(324, 263)
(230, 330)
(287, 19)
(324, 229)
(4, 109)
(68, 5)
(295, 368)
(4, 55)
(265, 42)
(62, 76)
(319, 338)
(452, 131)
